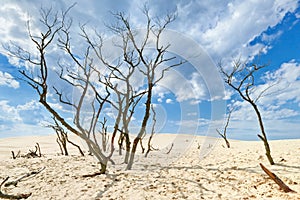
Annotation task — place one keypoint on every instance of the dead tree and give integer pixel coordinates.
(31, 154)
(150, 147)
(134, 60)
(14, 183)
(14, 156)
(34, 153)
(62, 139)
(96, 87)
(148, 67)
(242, 79)
(53, 25)
(224, 134)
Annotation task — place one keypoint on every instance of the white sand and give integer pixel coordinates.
(223, 174)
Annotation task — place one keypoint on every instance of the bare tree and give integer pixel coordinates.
(62, 139)
(242, 79)
(149, 67)
(224, 133)
(135, 60)
(52, 24)
(98, 83)
(150, 147)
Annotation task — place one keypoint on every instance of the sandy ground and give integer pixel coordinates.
(181, 174)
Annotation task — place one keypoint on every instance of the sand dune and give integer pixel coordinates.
(182, 174)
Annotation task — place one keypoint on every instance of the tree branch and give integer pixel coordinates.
(276, 179)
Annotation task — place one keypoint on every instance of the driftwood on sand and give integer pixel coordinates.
(14, 183)
(10, 196)
(277, 180)
(32, 153)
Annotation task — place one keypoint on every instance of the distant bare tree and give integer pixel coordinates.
(224, 133)
(150, 147)
(97, 82)
(62, 139)
(242, 79)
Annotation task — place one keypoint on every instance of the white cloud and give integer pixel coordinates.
(219, 26)
(8, 80)
(18, 129)
(8, 112)
(226, 27)
(223, 28)
(184, 89)
(30, 113)
(286, 85)
(270, 38)
(278, 87)
(169, 101)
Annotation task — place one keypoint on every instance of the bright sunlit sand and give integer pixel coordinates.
(223, 174)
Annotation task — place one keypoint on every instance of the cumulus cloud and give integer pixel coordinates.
(28, 113)
(8, 80)
(9, 113)
(225, 29)
(285, 84)
(217, 26)
(183, 89)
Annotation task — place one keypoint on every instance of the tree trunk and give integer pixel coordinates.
(143, 127)
(227, 143)
(65, 149)
(126, 159)
(132, 153)
(103, 165)
(127, 140)
(263, 137)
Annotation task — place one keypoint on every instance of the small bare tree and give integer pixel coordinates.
(224, 133)
(62, 139)
(242, 79)
(149, 145)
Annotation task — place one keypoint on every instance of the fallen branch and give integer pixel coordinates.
(9, 196)
(15, 182)
(277, 180)
(34, 153)
(92, 175)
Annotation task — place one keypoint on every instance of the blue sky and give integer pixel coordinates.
(191, 98)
